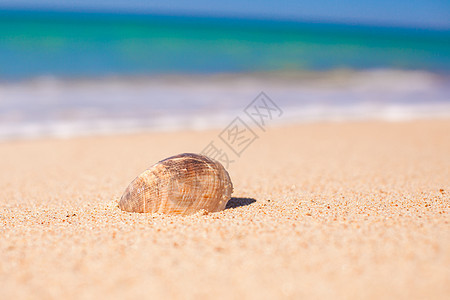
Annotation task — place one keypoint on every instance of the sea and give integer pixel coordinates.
(65, 74)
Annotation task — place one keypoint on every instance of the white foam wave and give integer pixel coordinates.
(64, 108)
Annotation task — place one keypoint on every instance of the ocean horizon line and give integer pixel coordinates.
(149, 16)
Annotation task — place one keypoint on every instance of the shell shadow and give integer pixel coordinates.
(238, 202)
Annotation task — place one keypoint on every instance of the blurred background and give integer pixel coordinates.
(100, 67)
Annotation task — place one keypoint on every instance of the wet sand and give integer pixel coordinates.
(330, 210)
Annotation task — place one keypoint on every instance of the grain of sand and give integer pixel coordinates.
(338, 210)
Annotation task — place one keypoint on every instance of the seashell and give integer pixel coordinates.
(181, 184)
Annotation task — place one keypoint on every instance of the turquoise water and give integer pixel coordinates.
(65, 74)
(66, 44)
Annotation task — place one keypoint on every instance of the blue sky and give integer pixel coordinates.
(411, 13)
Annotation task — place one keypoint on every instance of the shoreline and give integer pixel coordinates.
(103, 127)
(58, 107)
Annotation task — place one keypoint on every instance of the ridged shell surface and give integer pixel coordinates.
(181, 184)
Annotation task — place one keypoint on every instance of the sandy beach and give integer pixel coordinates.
(320, 211)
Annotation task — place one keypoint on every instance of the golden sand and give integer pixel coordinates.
(338, 210)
